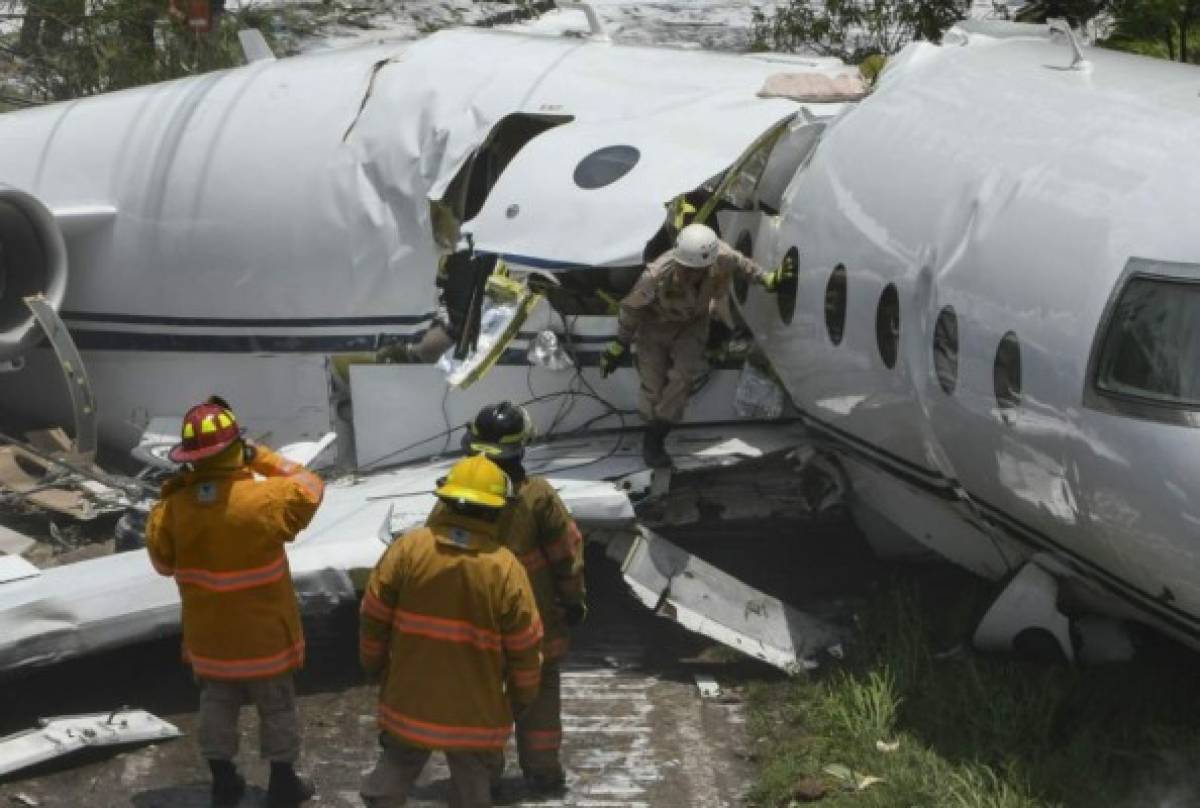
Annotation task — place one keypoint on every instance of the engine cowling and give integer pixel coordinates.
(33, 260)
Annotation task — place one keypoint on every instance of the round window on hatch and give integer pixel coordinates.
(605, 166)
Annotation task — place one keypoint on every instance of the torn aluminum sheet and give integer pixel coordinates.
(61, 736)
(701, 598)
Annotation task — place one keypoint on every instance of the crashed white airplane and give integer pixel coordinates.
(991, 336)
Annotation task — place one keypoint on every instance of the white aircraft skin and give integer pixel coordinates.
(237, 228)
(981, 175)
(989, 179)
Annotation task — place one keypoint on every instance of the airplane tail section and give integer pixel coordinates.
(33, 261)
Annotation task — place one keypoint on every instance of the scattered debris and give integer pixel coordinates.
(708, 686)
(885, 746)
(61, 736)
(701, 598)
(24, 799)
(850, 779)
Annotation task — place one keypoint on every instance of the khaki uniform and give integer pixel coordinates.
(539, 530)
(220, 533)
(666, 317)
(450, 623)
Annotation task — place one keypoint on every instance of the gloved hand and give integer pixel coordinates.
(773, 279)
(575, 613)
(611, 356)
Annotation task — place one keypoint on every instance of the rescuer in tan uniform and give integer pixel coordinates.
(450, 624)
(221, 534)
(667, 314)
(541, 533)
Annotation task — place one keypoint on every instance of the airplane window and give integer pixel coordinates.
(605, 166)
(945, 349)
(745, 245)
(1152, 347)
(1006, 371)
(887, 325)
(835, 304)
(785, 295)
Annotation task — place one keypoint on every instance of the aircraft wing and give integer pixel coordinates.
(593, 193)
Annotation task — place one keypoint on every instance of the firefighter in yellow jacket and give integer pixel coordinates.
(450, 625)
(540, 531)
(221, 533)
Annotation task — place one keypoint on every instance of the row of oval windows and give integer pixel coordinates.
(1006, 367)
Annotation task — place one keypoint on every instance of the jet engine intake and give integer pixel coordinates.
(33, 260)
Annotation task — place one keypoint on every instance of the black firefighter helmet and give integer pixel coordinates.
(500, 431)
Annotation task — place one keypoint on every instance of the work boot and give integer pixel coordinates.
(653, 451)
(286, 788)
(227, 785)
(546, 784)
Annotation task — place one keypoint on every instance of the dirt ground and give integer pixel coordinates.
(637, 733)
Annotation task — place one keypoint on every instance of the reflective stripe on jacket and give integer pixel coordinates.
(449, 621)
(221, 534)
(539, 530)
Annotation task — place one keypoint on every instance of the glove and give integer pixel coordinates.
(575, 613)
(772, 280)
(611, 356)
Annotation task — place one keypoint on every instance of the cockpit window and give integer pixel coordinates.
(605, 166)
(1151, 347)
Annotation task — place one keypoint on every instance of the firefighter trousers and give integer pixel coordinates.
(278, 717)
(539, 729)
(670, 357)
(399, 766)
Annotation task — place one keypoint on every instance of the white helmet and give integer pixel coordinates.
(697, 246)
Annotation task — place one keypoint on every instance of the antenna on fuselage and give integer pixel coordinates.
(598, 33)
(1079, 61)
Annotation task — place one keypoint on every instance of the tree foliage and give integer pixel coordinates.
(854, 29)
(70, 50)
(1165, 28)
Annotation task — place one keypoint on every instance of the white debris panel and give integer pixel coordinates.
(61, 736)
(701, 598)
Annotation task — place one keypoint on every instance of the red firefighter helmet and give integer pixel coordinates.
(208, 429)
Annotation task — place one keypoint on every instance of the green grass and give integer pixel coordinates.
(972, 731)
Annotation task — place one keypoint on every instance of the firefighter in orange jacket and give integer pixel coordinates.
(221, 534)
(450, 624)
(541, 533)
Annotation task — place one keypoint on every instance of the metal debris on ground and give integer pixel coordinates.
(675, 584)
(850, 779)
(61, 736)
(708, 686)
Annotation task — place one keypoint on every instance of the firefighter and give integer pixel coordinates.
(450, 624)
(221, 533)
(455, 286)
(540, 531)
(667, 313)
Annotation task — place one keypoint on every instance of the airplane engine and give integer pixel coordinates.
(33, 260)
